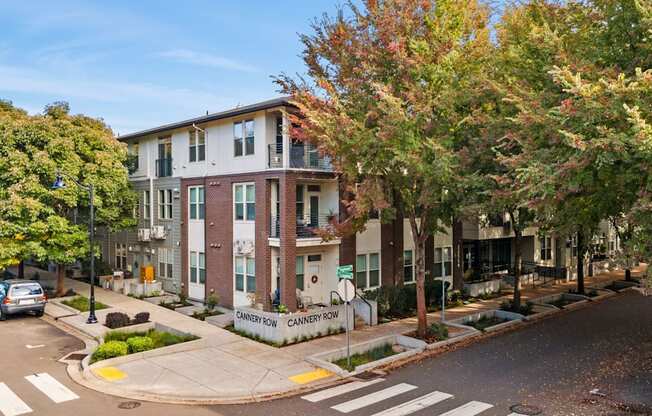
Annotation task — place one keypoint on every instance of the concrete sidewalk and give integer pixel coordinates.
(227, 368)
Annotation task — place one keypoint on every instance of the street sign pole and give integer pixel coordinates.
(443, 300)
(348, 335)
(345, 274)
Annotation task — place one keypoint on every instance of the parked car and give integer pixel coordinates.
(20, 296)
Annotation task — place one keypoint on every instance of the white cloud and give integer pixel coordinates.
(205, 59)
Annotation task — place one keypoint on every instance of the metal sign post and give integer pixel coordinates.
(347, 292)
(443, 300)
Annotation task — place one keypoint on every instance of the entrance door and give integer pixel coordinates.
(314, 211)
(197, 276)
(315, 280)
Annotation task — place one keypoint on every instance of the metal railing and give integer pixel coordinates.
(307, 226)
(164, 167)
(302, 156)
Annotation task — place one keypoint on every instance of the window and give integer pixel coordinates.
(245, 202)
(546, 248)
(408, 267)
(133, 156)
(299, 201)
(367, 274)
(197, 145)
(147, 204)
(245, 274)
(120, 256)
(136, 212)
(165, 204)
(197, 208)
(443, 261)
(300, 273)
(197, 267)
(165, 262)
(243, 138)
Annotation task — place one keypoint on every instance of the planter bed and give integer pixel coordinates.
(435, 333)
(486, 287)
(122, 343)
(174, 305)
(402, 347)
(618, 285)
(374, 354)
(82, 304)
(489, 321)
(562, 300)
(202, 315)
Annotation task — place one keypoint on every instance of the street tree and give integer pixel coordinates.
(37, 222)
(388, 92)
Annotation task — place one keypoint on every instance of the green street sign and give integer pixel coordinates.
(345, 272)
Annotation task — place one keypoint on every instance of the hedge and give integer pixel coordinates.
(401, 301)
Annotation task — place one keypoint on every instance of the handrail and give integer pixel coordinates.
(338, 295)
(371, 309)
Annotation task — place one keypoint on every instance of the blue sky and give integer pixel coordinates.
(138, 64)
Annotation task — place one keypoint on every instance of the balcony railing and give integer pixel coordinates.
(164, 167)
(307, 226)
(302, 156)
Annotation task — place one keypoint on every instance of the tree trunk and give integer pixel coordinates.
(516, 303)
(628, 275)
(61, 274)
(580, 263)
(21, 269)
(422, 318)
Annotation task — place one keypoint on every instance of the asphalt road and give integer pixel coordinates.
(552, 365)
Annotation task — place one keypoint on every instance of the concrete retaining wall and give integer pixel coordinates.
(479, 288)
(289, 328)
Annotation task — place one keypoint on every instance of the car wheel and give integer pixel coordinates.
(3, 316)
(39, 313)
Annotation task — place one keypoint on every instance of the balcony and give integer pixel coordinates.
(164, 167)
(308, 226)
(302, 156)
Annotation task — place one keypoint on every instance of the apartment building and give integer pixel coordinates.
(230, 204)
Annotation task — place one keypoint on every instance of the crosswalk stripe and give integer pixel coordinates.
(339, 390)
(10, 404)
(56, 391)
(415, 405)
(372, 398)
(470, 409)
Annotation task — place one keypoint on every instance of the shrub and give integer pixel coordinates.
(525, 309)
(82, 304)
(439, 331)
(140, 344)
(117, 320)
(211, 301)
(110, 349)
(400, 302)
(122, 336)
(141, 318)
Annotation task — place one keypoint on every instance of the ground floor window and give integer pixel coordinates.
(245, 274)
(408, 266)
(443, 261)
(367, 271)
(165, 262)
(300, 273)
(546, 248)
(121, 256)
(197, 267)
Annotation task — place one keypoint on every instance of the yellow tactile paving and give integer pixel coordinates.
(310, 376)
(110, 373)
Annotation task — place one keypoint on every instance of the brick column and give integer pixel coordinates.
(263, 251)
(219, 238)
(391, 257)
(288, 249)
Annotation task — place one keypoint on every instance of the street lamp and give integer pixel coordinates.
(60, 184)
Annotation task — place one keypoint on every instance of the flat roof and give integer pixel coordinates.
(263, 105)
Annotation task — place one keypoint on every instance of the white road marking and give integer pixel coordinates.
(31, 347)
(339, 390)
(415, 405)
(56, 391)
(10, 404)
(469, 409)
(372, 398)
(515, 414)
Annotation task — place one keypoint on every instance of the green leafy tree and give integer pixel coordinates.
(51, 225)
(390, 87)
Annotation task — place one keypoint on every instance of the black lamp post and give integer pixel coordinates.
(59, 184)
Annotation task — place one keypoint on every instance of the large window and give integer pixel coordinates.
(367, 274)
(197, 267)
(245, 274)
(408, 266)
(197, 145)
(121, 256)
(243, 138)
(443, 261)
(546, 248)
(300, 273)
(165, 262)
(165, 204)
(147, 204)
(245, 202)
(197, 209)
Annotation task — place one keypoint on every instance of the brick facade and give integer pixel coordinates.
(288, 234)
(391, 252)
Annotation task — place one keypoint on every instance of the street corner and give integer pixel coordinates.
(109, 373)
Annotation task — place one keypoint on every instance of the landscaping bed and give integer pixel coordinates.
(486, 322)
(205, 314)
(489, 320)
(174, 305)
(562, 300)
(618, 285)
(119, 343)
(296, 340)
(374, 354)
(434, 333)
(82, 304)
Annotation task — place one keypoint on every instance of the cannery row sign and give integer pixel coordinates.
(288, 328)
